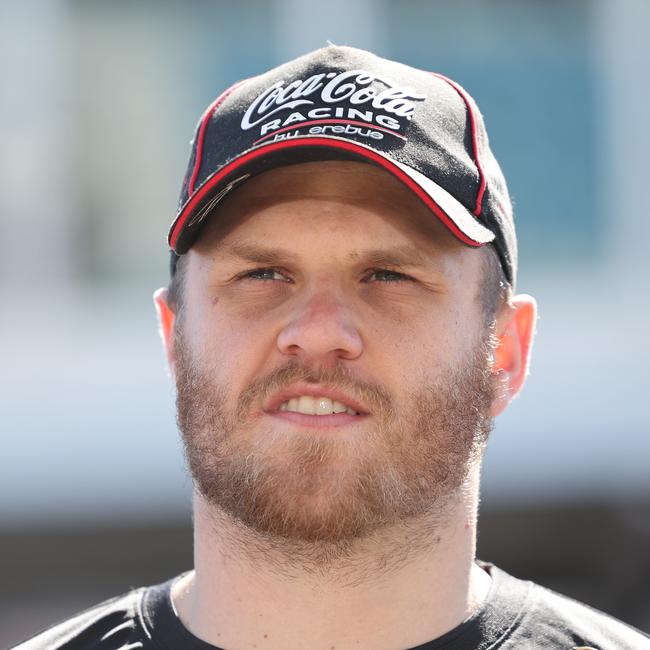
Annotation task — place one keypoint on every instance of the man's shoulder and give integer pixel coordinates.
(118, 619)
(553, 620)
(588, 626)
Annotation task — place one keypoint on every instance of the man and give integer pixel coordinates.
(342, 328)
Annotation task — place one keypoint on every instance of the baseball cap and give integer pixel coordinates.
(346, 103)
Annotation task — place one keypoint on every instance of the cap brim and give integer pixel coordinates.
(453, 214)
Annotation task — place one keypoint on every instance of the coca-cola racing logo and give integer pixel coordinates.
(346, 103)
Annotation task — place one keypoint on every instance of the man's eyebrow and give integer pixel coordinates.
(253, 252)
(390, 256)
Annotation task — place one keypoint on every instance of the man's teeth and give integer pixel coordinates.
(316, 406)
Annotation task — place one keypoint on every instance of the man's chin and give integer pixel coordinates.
(321, 505)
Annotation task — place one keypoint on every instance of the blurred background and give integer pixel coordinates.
(98, 103)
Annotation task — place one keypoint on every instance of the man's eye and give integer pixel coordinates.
(264, 275)
(275, 275)
(384, 275)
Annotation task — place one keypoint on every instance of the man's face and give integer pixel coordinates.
(330, 280)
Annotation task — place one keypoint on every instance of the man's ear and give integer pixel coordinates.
(166, 318)
(515, 329)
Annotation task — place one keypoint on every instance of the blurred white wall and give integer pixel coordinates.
(36, 188)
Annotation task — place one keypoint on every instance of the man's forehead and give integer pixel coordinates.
(261, 253)
(367, 190)
(330, 179)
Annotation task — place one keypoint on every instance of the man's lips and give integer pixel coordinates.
(317, 421)
(314, 390)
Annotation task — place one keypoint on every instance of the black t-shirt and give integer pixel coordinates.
(515, 615)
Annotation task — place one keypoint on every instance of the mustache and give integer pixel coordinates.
(377, 399)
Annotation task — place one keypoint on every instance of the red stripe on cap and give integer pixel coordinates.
(475, 149)
(330, 143)
(201, 136)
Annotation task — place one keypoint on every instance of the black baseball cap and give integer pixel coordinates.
(346, 103)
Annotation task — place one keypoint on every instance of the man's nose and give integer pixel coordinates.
(321, 328)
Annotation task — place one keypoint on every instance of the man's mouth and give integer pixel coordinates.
(301, 401)
(309, 405)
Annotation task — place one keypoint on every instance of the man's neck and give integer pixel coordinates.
(400, 588)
